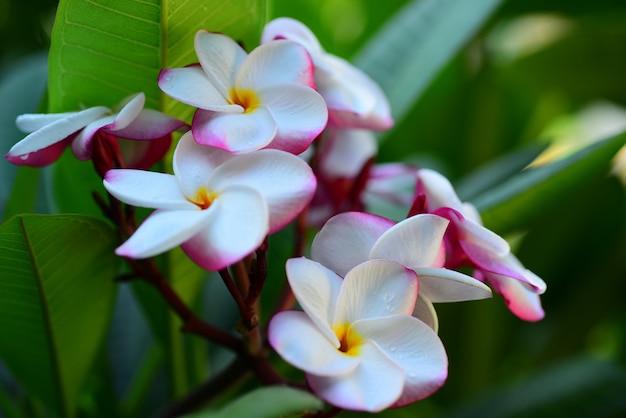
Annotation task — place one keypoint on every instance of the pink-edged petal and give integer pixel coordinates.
(238, 227)
(346, 151)
(299, 341)
(354, 100)
(374, 385)
(57, 131)
(82, 144)
(288, 28)
(317, 289)
(146, 189)
(425, 311)
(438, 190)
(149, 124)
(444, 285)
(520, 298)
(164, 230)
(235, 132)
(190, 85)
(376, 288)
(414, 242)
(300, 114)
(43, 156)
(415, 348)
(347, 239)
(475, 234)
(275, 64)
(194, 164)
(506, 265)
(285, 181)
(221, 58)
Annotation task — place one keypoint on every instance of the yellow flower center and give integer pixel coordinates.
(245, 98)
(203, 198)
(350, 341)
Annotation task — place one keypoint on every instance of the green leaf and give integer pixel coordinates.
(56, 298)
(413, 46)
(266, 402)
(512, 204)
(105, 50)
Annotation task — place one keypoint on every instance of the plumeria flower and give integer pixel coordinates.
(469, 243)
(351, 238)
(356, 340)
(51, 133)
(354, 100)
(218, 206)
(248, 102)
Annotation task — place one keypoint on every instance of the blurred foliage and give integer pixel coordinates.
(533, 63)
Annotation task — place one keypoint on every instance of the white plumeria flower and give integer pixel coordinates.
(486, 251)
(354, 100)
(356, 340)
(51, 133)
(351, 238)
(217, 205)
(248, 102)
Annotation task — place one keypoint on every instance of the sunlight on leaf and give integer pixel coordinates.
(515, 202)
(56, 298)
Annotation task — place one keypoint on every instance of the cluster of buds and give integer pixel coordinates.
(282, 132)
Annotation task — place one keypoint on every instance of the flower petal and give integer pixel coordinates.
(300, 114)
(425, 312)
(42, 157)
(146, 189)
(82, 144)
(238, 227)
(376, 288)
(414, 347)
(235, 132)
(190, 85)
(164, 230)
(194, 164)
(414, 242)
(285, 181)
(520, 297)
(144, 154)
(150, 124)
(346, 151)
(288, 28)
(317, 290)
(354, 100)
(30, 122)
(275, 64)
(57, 131)
(347, 239)
(374, 385)
(443, 285)
(438, 190)
(299, 341)
(221, 58)
(130, 110)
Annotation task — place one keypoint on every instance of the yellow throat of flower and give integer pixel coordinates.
(203, 198)
(248, 99)
(350, 341)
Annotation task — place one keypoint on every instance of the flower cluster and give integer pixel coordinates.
(282, 132)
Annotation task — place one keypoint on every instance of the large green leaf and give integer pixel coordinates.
(266, 402)
(104, 50)
(56, 298)
(413, 46)
(512, 204)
